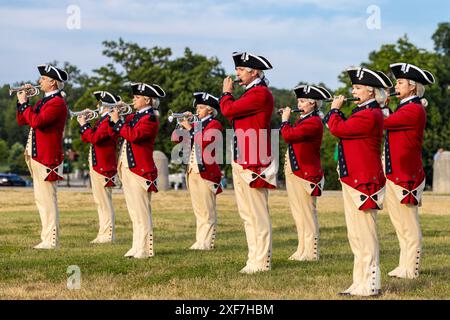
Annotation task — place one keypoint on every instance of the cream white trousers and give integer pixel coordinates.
(45, 197)
(204, 205)
(362, 236)
(405, 219)
(103, 200)
(253, 209)
(139, 209)
(304, 212)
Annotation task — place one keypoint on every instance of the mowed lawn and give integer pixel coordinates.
(178, 273)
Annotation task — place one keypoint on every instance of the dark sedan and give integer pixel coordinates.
(11, 179)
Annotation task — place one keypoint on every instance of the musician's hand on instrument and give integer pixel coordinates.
(114, 115)
(227, 85)
(337, 102)
(22, 96)
(286, 114)
(188, 114)
(185, 124)
(81, 119)
(386, 112)
(386, 103)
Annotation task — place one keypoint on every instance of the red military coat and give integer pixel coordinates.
(139, 131)
(359, 152)
(250, 116)
(403, 148)
(304, 140)
(207, 165)
(47, 118)
(103, 150)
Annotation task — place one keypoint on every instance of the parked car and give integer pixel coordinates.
(11, 179)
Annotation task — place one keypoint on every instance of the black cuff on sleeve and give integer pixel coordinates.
(225, 94)
(283, 124)
(118, 125)
(332, 111)
(388, 110)
(84, 127)
(21, 107)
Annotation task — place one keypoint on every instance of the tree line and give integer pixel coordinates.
(192, 72)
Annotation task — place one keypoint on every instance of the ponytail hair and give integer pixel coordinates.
(261, 75)
(380, 96)
(155, 105)
(60, 86)
(420, 92)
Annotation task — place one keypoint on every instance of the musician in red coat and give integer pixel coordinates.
(203, 172)
(361, 173)
(136, 167)
(302, 168)
(44, 153)
(102, 164)
(403, 165)
(254, 172)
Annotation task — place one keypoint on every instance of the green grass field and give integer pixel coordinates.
(178, 273)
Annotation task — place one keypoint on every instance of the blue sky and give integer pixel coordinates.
(305, 40)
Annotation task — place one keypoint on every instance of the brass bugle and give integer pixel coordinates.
(181, 116)
(88, 113)
(122, 108)
(29, 92)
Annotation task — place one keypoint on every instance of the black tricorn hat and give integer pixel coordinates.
(369, 77)
(206, 99)
(53, 72)
(149, 90)
(106, 97)
(411, 72)
(246, 59)
(312, 92)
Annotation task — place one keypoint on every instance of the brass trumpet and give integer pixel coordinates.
(122, 108)
(29, 92)
(181, 117)
(88, 113)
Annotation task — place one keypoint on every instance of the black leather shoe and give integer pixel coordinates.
(378, 294)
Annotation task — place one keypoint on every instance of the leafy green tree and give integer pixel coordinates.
(9, 130)
(4, 152)
(441, 38)
(16, 159)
